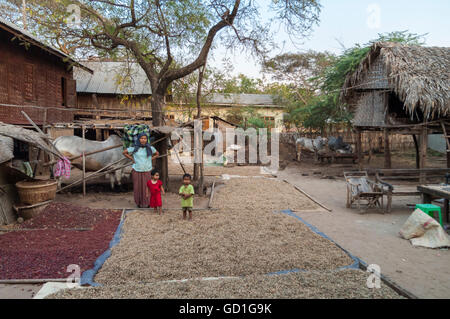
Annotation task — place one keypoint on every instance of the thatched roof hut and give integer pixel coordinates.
(419, 77)
(403, 89)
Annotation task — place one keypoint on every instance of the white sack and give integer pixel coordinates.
(424, 231)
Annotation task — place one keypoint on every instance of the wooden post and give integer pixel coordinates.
(423, 152)
(202, 173)
(448, 152)
(369, 137)
(162, 163)
(196, 155)
(359, 148)
(416, 147)
(84, 159)
(98, 132)
(38, 157)
(447, 143)
(387, 150)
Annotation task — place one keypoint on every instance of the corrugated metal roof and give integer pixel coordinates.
(241, 99)
(113, 78)
(12, 27)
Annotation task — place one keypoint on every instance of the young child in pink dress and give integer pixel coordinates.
(154, 186)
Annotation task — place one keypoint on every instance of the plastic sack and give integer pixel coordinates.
(6, 148)
(423, 230)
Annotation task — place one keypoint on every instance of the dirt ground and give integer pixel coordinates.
(123, 200)
(373, 236)
(19, 291)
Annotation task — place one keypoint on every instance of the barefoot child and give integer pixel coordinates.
(187, 196)
(154, 186)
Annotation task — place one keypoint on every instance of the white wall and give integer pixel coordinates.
(437, 143)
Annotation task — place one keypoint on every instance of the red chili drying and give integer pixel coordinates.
(47, 251)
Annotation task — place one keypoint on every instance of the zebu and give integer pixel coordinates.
(312, 145)
(71, 146)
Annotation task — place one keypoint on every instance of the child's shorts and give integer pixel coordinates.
(186, 209)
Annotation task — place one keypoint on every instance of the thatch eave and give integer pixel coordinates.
(420, 77)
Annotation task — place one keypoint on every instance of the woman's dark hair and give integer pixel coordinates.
(146, 146)
(187, 176)
(154, 171)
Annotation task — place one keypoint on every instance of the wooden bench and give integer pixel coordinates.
(333, 157)
(361, 188)
(403, 182)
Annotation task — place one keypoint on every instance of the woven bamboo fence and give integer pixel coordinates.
(370, 140)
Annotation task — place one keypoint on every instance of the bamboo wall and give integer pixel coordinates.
(370, 140)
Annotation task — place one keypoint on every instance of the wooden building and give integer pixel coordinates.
(402, 89)
(118, 90)
(34, 78)
(221, 105)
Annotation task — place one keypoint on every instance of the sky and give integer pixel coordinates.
(348, 22)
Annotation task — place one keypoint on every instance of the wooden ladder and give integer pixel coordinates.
(446, 136)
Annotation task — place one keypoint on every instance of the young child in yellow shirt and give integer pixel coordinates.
(187, 196)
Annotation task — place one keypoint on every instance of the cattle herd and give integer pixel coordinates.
(320, 146)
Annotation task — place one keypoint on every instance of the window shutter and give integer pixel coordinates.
(71, 93)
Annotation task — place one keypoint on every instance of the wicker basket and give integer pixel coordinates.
(36, 191)
(27, 212)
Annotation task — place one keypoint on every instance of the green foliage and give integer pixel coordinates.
(240, 84)
(245, 117)
(320, 105)
(255, 122)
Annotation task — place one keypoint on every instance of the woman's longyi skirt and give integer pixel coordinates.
(140, 187)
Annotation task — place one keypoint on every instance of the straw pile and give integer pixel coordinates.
(341, 284)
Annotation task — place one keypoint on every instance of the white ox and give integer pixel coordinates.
(316, 145)
(71, 146)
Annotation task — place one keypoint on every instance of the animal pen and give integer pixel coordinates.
(8, 174)
(401, 89)
(161, 133)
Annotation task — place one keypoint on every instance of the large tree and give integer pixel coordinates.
(299, 76)
(157, 33)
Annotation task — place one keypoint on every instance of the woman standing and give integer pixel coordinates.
(142, 155)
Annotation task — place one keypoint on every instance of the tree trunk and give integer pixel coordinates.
(198, 167)
(24, 14)
(157, 104)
